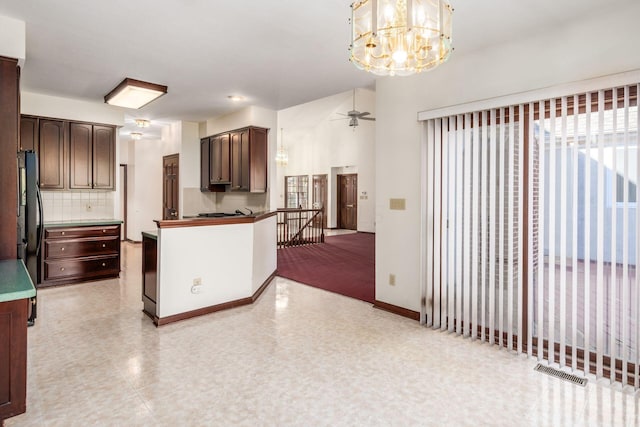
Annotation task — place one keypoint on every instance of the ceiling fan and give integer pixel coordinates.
(354, 114)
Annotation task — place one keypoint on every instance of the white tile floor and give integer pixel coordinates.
(299, 356)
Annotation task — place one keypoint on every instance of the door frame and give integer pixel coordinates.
(123, 190)
(164, 183)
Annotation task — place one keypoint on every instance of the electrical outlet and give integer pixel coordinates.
(197, 281)
(392, 279)
(88, 207)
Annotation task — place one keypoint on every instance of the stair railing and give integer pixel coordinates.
(297, 227)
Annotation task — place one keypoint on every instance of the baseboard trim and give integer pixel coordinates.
(400, 311)
(160, 321)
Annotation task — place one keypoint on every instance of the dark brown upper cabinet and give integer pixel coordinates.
(219, 163)
(29, 133)
(204, 164)
(235, 161)
(91, 156)
(71, 155)
(51, 154)
(249, 160)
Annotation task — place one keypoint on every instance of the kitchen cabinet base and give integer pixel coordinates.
(159, 321)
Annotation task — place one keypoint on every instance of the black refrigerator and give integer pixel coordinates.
(30, 217)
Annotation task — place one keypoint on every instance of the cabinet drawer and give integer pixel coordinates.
(76, 248)
(86, 267)
(73, 232)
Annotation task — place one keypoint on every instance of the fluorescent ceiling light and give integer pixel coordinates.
(135, 94)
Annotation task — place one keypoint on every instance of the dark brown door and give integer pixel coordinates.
(320, 198)
(51, 154)
(80, 142)
(348, 201)
(104, 157)
(170, 167)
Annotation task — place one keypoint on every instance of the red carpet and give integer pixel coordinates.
(344, 264)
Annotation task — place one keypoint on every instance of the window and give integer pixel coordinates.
(296, 191)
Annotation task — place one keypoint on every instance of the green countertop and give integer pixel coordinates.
(151, 234)
(81, 222)
(15, 282)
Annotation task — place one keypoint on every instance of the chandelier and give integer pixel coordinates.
(282, 158)
(400, 37)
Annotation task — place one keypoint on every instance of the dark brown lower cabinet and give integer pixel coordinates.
(13, 358)
(79, 254)
(149, 275)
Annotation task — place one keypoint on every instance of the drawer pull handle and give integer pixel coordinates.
(104, 246)
(61, 268)
(62, 233)
(104, 231)
(61, 249)
(104, 264)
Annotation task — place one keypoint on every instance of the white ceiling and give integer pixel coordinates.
(275, 53)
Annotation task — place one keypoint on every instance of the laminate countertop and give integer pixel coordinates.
(15, 282)
(81, 223)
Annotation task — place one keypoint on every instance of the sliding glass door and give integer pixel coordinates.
(532, 229)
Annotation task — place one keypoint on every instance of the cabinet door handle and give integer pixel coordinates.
(62, 249)
(62, 233)
(104, 231)
(104, 264)
(61, 268)
(104, 246)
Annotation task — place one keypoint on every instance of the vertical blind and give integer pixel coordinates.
(532, 229)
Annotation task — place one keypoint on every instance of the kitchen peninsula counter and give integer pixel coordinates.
(199, 265)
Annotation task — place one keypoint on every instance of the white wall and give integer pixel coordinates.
(13, 39)
(573, 52)
(319, 141)
(57, 107)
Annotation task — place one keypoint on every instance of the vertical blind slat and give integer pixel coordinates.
(429, 177)
(625, 244)
(445, 224)
(574, 242)
(459, 260)
(511, 226)
(451, 227)
(466, 302)
(484, 225)
(437, 219)
(613, 272)
(531, 272)
(551, 233)
(637, 248)
(520, 218)
(492, 225)
(587, 236)
(501, 225)
(601, 243)
(563, 231)
(476, 238)
(541, 228)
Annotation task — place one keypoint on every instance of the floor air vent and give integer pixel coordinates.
(561, 374)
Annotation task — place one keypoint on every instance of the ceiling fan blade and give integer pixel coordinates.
(372, 119)
(343, 114)
(340, 118)
(366, 113)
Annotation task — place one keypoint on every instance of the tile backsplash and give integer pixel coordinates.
(77, 205)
